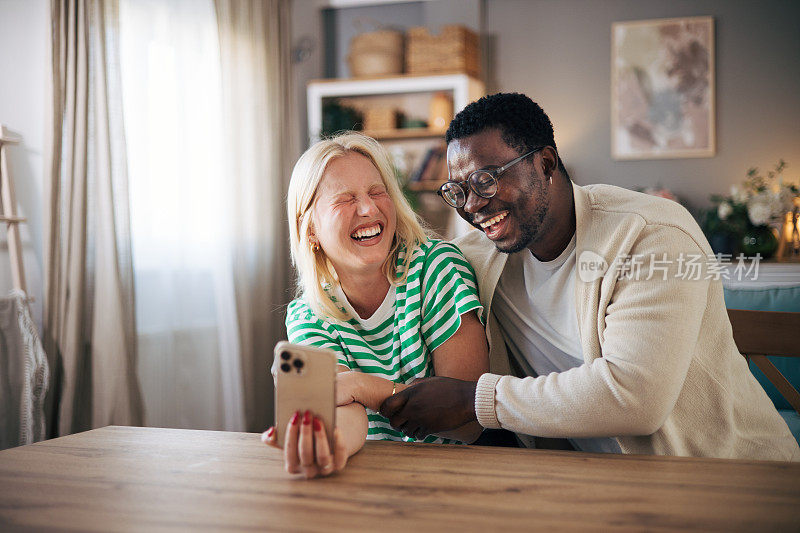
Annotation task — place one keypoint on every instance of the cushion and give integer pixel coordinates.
(786, 299)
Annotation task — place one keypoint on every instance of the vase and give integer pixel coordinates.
(724, 243)
(759, 240)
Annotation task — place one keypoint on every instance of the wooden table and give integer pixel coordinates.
(143, 479)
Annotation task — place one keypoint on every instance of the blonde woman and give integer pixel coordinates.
(394, 304)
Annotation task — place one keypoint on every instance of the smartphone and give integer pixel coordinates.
(305, 381)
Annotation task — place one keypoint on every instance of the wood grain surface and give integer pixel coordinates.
(145, 479)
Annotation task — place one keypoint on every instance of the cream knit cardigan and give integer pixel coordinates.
(662, 373)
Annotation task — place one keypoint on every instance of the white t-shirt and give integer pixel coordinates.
(535, 306)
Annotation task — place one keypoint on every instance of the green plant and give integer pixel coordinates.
(339, 117)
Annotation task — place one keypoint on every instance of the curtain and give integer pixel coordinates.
(254, 39)
(182, 215)
(89, 325)
(206, 99)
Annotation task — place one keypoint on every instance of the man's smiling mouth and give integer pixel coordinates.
(495, 226)
(494, 220)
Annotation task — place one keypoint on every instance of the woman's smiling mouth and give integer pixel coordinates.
(367, 233)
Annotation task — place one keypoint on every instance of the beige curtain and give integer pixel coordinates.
(89, 329)
(254, 48)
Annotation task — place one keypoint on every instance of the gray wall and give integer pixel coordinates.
(24, 63)
(558, 52)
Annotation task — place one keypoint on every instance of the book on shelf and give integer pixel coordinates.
(433, 168)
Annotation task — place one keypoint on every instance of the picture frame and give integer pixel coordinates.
(663, 89)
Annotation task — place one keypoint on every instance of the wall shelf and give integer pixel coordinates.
(463, 88)
(404, 133)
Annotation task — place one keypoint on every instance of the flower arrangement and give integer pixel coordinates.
(740, 221)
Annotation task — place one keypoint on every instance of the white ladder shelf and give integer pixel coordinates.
(8, 210)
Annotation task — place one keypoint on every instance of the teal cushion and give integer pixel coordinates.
(786, 299)
(793, 421)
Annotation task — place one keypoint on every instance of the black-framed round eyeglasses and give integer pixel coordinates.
(483, 182)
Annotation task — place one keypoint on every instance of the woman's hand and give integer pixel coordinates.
(306, 447)
(367, 389)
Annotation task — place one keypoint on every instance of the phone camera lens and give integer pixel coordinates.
(298, 363)
(286, 356)
(285, 367)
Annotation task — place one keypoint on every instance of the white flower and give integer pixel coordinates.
(739, 194)
(761, 208)
(724, 210)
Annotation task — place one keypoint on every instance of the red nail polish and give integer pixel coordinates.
(295, 418)
(270, 431)
(307, 418)
(317, 425)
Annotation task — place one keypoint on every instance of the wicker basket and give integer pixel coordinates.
(455, 49)
(380, 118)
(376, 53)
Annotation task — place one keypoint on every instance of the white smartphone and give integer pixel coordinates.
(305, 381)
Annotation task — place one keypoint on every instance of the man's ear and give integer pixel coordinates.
(549, 160)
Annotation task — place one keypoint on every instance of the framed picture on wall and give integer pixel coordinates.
(662, 88)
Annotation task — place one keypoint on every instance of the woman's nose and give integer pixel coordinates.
(367, 207)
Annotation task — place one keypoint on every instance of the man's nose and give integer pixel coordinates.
(474, 202)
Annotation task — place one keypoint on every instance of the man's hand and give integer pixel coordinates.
(431, 406)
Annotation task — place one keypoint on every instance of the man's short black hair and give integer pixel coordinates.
(522, 123)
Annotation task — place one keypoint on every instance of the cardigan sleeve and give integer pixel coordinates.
(651, 328)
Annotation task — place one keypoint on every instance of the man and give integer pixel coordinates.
(587, 294)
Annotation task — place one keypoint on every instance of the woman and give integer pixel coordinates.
(394, 304)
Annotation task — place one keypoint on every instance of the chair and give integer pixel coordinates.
(762, 334)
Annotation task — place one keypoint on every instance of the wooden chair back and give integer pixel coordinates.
(759, 334)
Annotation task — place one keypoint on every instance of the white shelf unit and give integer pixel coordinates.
(463, 89)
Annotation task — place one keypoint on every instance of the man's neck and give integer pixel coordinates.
(559, 221)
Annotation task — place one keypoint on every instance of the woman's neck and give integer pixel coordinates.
(365, 291)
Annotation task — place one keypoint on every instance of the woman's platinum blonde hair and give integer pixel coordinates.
(316, 276)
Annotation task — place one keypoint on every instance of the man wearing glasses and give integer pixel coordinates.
(613, 361)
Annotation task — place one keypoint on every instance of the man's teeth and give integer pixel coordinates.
(493, 220)
(364, 233)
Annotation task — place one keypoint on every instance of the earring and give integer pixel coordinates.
(315, 247)
(551, 179)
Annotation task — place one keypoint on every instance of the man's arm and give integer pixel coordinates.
(651, 329)
(464, 356)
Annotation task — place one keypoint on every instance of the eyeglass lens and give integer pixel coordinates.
(483, 184)
(453, 194)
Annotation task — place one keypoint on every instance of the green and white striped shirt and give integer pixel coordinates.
(414, 319)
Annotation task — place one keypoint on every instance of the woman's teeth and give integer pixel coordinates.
(366, 233)
(494, 220)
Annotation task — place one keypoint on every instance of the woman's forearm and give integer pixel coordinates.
(367, 389)
(351, 420)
